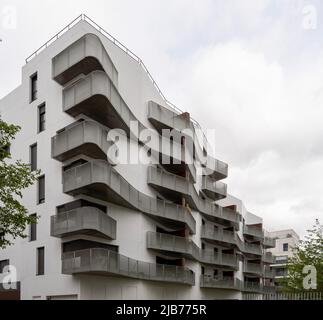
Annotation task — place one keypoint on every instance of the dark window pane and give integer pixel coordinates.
(33, 157)
(40, 261)
(33, 230)
(3, 264)
(41, 189)
(41, 117)
(285, 247)
(34, 87)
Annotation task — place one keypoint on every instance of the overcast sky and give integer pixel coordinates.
(251, 69)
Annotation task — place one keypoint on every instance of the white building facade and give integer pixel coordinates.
(109, 230)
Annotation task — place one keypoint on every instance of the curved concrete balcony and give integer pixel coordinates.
(173, 244)
(254, 231)
(269, 242)
(220, 283)
(83, 220)
(164, 118)
(187, 248)
(100, 261)
(85, 137)
(253, 268)
(85, 55)
(100, 180)
(218, 235)
(215, 190)
(221, 259)
(254, 249)
(173, 187)
(268, 258)
(269, 274)
(97, 97)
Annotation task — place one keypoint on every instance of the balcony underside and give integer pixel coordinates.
(85, 55)
(215, 196)
(83, 221)
(99, 108)
(85, 66)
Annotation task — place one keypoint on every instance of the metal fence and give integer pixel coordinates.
(285, 296)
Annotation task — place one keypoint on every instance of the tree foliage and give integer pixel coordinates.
(308, 252)
(15, 176)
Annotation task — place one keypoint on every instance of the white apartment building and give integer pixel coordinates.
(286, 240)
(121, 231)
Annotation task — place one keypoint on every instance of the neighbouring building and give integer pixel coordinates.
(110, 230)
(286, 240)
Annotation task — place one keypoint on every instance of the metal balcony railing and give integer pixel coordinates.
(175, 183)
(98, 260)
(83, 220)
(82, 57)
(172, 243)
(80, 135)
(209, 232)
(210, 257)
(253, 231)
(269, 242)
(255, 268)
(268, 257)
(172, 119)
(175, 244)
(99, 172)
(214, 189)
(233, 283)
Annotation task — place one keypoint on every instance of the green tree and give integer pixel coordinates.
(15, 176)
(308, 252)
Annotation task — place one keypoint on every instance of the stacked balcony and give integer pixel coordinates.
(175, 187)
(268, 258)
(218, 235)
(187, 248)
(173, 244)
(269, 242)
(99, 180)
(215, 190)
(220, 283)
(253, 268)
(164, 118)
(82, 57)
(253, 231)
(85, 221)
(85, 137)
(101, 261)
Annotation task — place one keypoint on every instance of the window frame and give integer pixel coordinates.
(33, 93)
(40, 270)
(39, 114)
(39, 199)
(33, 168)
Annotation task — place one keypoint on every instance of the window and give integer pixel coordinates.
(40, 261)
(41, 189)
(33, 230)
(215, 273)
(41, 117)
(285, 246)
(33, 157)
(3, 264)
(202, 270)
(33, 87)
